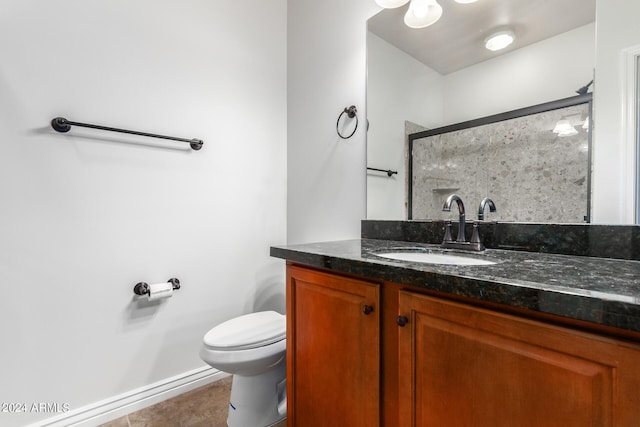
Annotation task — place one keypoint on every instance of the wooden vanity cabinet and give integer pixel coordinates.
(449, 364)
(333, 350)
(461, 365)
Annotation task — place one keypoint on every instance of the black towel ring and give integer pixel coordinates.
(351, 113)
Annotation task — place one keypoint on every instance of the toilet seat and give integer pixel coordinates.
(248, 331)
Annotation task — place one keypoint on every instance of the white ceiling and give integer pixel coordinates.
(456, 41)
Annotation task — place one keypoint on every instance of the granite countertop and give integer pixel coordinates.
(599, 290)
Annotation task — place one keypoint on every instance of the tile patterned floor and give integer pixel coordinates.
(203, 407)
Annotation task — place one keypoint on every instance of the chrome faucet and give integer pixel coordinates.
(461, 240)
(484, 203)
(447, 208)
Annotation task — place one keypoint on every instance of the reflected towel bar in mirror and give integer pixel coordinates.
(388, 172)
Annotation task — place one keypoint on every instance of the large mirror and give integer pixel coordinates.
(421, 79)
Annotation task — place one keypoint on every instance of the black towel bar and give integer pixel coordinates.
(61, 124)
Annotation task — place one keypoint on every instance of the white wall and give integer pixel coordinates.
(541, 72)
(326, 73)
(399, 88)
(84, 217)
(613, 150)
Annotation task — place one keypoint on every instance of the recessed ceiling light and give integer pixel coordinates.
(499, 40)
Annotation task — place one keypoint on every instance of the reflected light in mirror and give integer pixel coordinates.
(499, 40)
(422, 13)
(564, 128)
(391, 4)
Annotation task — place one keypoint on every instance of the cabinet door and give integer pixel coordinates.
(465, 366)
(333, 350)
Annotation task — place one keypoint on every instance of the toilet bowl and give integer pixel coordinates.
(252, 348)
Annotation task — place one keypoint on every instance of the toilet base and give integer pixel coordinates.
(259, 400)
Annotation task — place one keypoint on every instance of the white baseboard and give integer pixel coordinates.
(118, 406)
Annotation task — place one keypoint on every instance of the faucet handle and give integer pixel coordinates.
(448, 229)
(475, 237)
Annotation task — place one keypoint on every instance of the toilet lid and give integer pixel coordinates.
(248, 331)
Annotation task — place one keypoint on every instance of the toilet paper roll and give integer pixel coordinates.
(160, 290)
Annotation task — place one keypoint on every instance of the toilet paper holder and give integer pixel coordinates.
(142, 288)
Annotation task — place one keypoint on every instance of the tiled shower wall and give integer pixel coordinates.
(530, 173)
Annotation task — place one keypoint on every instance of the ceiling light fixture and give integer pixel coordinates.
(422, 13)
(391, 4)
(499, 40)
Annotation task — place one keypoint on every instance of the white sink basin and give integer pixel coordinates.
(433, 258)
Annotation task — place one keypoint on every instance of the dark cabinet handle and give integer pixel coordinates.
(367, 309)
(402, 320)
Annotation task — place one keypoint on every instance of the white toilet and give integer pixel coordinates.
(252, 348)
